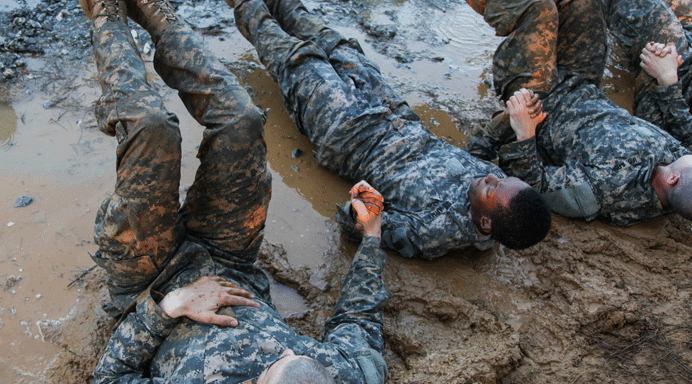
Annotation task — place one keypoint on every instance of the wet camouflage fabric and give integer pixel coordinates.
(140, 228)
(527, 57)
(596, 160)
(184, 351)
(634, 23)
(364, 130)
(217, 232)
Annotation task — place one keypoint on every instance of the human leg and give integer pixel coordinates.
(317, 98)
(226, 206)
(582, 43)
(137, 228)
(527, 56)
(345, 55)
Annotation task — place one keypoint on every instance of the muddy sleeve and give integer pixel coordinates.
(486, 140)
(665, 107)
(567, 188)
(356, 326)
(134, 343)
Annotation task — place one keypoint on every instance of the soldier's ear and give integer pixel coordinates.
(486, 224)
(672, 178)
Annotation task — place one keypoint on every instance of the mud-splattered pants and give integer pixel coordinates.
(543, 36)
(141, 226)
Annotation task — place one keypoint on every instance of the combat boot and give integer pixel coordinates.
(152, 15)
(112, 10)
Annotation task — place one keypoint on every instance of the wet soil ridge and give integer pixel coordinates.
(590, 304)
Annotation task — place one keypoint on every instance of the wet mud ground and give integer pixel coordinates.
(590, 304)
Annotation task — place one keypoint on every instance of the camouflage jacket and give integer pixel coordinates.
(424, 182)
(596, 160)
(151, 347)
(666, 107)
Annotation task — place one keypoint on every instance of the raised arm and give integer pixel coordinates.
(665, 105)
(358, 315)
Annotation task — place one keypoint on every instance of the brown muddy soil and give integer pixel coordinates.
(590, 304)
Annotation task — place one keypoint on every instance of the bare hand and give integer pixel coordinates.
(661, 62)
(535, 106)
(525, 113)
(201, 299)
(368, 205)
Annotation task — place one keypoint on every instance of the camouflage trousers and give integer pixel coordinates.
(332, 91)
(542, 37)
(634, 23)
(141, 227)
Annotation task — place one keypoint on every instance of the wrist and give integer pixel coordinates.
(668, 79)
(169, 304)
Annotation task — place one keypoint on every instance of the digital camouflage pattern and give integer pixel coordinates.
(364, 130)
(149, 247)
(634, 23)
(185, 351)
(589, 158)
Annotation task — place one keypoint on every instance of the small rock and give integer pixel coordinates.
(38, 296)
(19, 21)
(296, 153)
(294, 168)
(23, 201)
(64, 52)
(10, 224)
(8, 73)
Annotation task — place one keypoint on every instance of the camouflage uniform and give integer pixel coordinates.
(635, 23)
(597, 159)
(150, 247)
(364, 130)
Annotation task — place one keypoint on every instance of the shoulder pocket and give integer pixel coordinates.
(576, 201)
(373, 366)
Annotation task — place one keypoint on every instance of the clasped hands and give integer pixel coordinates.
(367, 205)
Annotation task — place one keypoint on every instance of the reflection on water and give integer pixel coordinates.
(8, 123)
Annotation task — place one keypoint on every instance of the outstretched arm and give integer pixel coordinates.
(134, 343)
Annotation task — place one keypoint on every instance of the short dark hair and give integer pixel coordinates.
(524, 222)
(304, 370)
(680, 196)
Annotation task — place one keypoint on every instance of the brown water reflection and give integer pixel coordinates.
(8, 124)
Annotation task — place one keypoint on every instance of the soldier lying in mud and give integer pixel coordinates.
(656, 37)
(439, 198)
(597, 159)
(185, 267)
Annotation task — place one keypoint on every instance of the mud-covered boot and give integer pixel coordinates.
(101, 11)
(152, 15)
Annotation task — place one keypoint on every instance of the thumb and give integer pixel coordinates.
(361, 210)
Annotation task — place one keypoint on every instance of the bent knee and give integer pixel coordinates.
(156, 127)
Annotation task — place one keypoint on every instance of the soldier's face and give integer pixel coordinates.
(490, 193)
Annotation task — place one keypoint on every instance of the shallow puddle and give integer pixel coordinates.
(8, 124)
